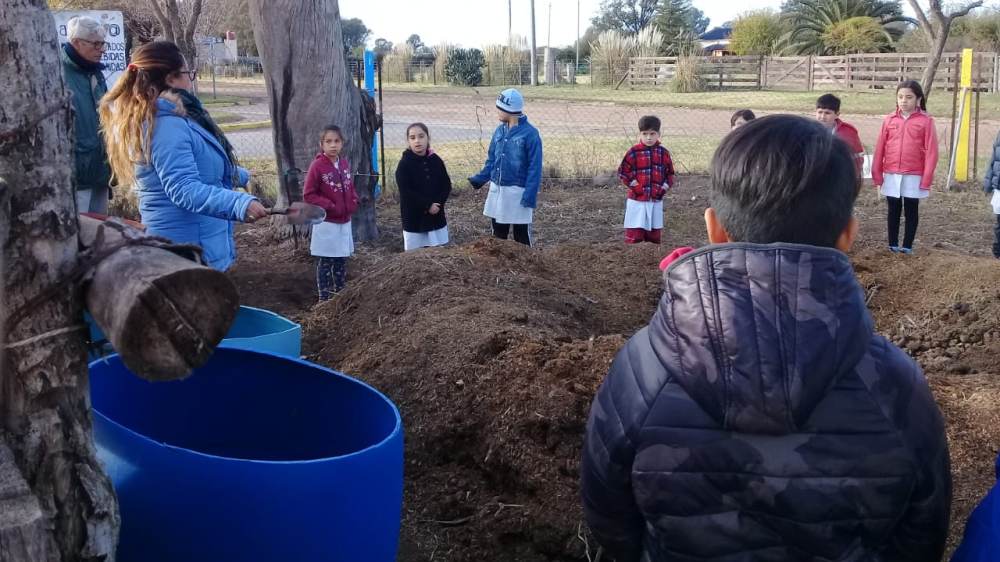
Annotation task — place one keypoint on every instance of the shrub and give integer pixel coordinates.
(687, 77)
(610, 56)
(398, 64)
(465, 67)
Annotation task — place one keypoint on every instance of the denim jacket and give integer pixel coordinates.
(515, 159)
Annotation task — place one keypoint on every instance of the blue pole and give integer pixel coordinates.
(370, 88)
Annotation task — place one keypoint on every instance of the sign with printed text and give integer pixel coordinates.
(114, 27)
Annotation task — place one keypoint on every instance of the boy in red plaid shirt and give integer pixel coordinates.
(648, 172)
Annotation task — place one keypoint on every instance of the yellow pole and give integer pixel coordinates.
(962, 154)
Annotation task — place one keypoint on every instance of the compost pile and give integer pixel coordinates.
(942, 308)
(493, 353)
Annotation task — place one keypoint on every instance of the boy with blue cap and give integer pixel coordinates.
(513, 169)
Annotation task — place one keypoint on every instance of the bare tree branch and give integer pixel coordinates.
(174, 14)
(922, 18)
(168, 32)
(965, 11)
(936, 10)
(192, 22)
(936, 26)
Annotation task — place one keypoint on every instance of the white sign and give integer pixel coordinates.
(114, 27)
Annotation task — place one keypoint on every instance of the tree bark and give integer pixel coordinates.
(44, 403)
(309, 85)
(934, 58)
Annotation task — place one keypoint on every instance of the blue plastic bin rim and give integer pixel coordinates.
(395, 411)
(264, 312)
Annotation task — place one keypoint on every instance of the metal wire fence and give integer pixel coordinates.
(585, 130)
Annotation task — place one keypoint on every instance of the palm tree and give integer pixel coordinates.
(813, 20)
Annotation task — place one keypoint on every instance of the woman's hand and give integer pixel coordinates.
(255, 212)
(435, 208)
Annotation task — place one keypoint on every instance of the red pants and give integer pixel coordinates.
(637, 235)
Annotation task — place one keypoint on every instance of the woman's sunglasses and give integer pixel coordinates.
(99, 45)
(191, 74)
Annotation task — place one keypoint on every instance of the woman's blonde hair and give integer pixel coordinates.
(128, 111)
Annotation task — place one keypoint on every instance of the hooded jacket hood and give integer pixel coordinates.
(757, 334)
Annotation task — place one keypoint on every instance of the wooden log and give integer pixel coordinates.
(163, 313)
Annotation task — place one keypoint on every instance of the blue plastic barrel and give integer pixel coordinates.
(262, 330)
(255, 457)
(254, 328)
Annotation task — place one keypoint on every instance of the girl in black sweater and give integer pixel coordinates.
(424, 187)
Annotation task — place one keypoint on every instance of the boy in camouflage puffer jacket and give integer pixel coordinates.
(758, 417)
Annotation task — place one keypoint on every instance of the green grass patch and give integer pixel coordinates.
(220, 101)
(225, 118)
(246, 125)
(860, 102)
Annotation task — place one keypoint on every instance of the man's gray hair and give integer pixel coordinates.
(83, 27)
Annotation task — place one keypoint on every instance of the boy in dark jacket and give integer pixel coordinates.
(758, 417)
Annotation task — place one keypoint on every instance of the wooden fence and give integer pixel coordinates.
(848, 72)
(715, 73)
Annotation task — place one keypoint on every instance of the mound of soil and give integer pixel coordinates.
(942, 308)
(493, 353)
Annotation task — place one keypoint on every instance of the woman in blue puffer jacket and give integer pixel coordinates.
(160, 138)
(514, 170)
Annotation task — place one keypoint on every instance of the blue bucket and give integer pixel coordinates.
(255, 457)
(255, 329)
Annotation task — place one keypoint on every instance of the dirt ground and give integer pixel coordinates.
(493, 351)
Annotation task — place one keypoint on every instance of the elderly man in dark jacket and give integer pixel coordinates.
(81, 60)
(758, 417)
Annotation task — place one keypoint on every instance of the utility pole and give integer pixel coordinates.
(548, 42)
(577, 69)
(510, 23)
(534, 48)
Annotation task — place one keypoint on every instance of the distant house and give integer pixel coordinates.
(715, 42)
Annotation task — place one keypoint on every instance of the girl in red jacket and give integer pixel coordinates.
(330, 185)
(905, 157)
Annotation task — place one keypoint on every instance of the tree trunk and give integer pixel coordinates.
(934, 57)
(168, 13)
(309, 85)
(45, 408)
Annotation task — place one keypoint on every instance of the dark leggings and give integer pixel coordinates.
(996, 239)
(521, 232)
(898, 206)
(331, 276)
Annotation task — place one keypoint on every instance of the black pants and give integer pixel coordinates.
(908, 206)
(521, 232)
(331, 276)
(996, 239)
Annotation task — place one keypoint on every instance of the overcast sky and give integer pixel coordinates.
(474, 23)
